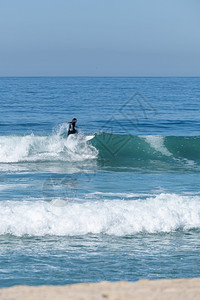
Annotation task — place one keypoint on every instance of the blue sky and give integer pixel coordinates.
(99, 38)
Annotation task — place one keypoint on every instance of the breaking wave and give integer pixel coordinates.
(119, 149)
(156, 214)
(32, 148)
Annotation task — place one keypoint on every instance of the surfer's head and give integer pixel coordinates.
(74, 120)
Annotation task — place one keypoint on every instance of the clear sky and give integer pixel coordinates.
(99, 38)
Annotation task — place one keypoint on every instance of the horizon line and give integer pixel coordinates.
(100, 76)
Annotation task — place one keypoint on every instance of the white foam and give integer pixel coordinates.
(157, 143)
(163, 213)
(44, 148)
(7, 186)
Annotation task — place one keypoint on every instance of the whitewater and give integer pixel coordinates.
(75, 217)
(31, 148)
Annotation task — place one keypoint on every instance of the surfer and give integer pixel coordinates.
(71, 129)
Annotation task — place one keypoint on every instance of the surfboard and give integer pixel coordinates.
(81, 138)
(89, 137)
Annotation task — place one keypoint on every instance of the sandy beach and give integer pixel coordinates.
(143, 289)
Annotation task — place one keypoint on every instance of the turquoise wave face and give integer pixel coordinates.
(123, 148)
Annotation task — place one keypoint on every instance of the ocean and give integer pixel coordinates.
(122, 206)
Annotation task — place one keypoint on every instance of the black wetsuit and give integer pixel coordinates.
(72, 129)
